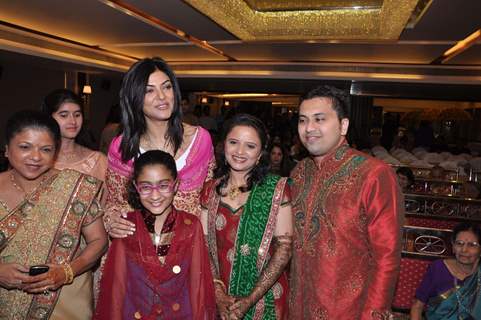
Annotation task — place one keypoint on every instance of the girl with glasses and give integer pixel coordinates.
(162, 271)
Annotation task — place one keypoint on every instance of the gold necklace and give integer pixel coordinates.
(14, 184)
(233, 192)
(19, 188)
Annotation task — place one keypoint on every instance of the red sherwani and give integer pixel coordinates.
(348, 218)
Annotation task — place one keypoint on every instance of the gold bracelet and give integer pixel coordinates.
(68, 273)
(219, 282)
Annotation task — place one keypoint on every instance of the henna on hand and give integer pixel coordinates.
(282, 252)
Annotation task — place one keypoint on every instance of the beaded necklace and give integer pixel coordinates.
(19, 188)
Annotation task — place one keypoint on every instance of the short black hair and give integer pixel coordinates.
(341, 102)
(26, 119)
(467, 226)
(149, 158)
(408, 173)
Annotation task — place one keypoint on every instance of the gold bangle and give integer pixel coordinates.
(219, 282)
(68, 273)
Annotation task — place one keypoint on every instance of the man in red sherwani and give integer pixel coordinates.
(348, 218)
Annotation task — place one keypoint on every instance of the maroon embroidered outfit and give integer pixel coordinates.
(171, 281)
(348, 217)
(226, 224)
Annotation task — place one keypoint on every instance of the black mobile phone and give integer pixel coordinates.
(38, 269)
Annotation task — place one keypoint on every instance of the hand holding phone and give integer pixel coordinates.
(38, 269)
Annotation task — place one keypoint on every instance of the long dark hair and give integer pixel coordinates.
(54, 100)
(149, 158)
(260, 170)
(285, 166)
(132, 96)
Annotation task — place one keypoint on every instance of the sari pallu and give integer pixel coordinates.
(136, 285)
(254, 235)
(462, 303)
(46, 228)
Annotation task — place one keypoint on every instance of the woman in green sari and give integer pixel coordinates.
(49, 219)
(248, 219)
(450, 289)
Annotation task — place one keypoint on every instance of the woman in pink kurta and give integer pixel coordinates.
(152, 120)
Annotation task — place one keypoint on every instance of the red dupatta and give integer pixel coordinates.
(135, 284)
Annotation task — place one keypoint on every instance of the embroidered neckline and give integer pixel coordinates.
(149, 219)
(232, 210)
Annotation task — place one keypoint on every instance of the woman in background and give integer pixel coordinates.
(67, 109)
(450, 289)
(111, 129)
(279, 160)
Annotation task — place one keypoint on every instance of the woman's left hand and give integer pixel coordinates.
(240, 308)
(51, 280)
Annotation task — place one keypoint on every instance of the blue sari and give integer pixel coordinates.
(458, 303)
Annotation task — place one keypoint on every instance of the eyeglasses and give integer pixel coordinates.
(470, 244)
(146, 189)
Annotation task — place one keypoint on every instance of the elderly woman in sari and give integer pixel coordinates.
(48, 218)
(152, 120)
(247, 214)
(450, 288)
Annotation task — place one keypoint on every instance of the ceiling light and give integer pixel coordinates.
(459, 47)
(87, 89)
